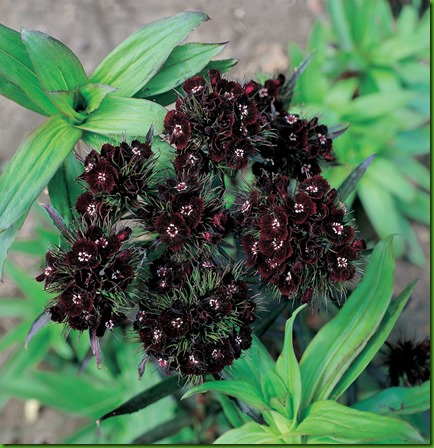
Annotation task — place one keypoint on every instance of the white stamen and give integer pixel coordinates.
(291, 119)
(172, 230)
(177, 130)
(84, 256)
(338, 228)
(187, 210)
(102, 177)
(109, 324)
(263, 92)
(298, 208)
(177, 322)
(342, 262)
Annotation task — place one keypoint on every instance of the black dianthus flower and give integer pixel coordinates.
(300, 239)
(200, 325)
(216, 124)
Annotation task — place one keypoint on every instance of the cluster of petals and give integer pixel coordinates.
(216, 122)
(295, 238)
(199, 336)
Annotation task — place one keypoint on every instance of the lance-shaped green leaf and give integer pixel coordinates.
(7, 238)
(16, 67)
(55, 65)
(137, 59)
(397, 400)
(240, 389)
(120, 116)
(32, 167)
(13, 92)
(341, 340)
(250, 433)
(350, 183)
(93, 94)
(145, 398)
(184, 61)
(345, 425)
(375, 343)
(288, 370)
(64, 102)
(64, 189)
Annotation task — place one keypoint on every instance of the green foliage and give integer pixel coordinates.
(372, 71)
(42, 74)
(297, 400)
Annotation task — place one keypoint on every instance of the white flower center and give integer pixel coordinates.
(245, 206)
(191, 159)
(115, 275)
(172, 230)
(76, 299)
(187, 210)
(89, 167)
(263, 92)
(109, 324)
(163, 362)
(244, 110)
(298, 208)
(291, 119)
(177, 322)
(239, 153)
(216, 353)
(193, 360)
(338, 228)
(229, 95)
(101, 242)
(102, 177)
(238, 340)
(196, 89)
(277, 244)
(322, 139)
(161, 271)
(48, 271)
(181, 186)
(312, 188)
(288, 277)
(255, 248)
(140, 316)
(214, 303)
(342, 262)
(177, 130)
(292, 137)
(91, 209)
(84, 256)
(157, 335)
(305, 169)
(275, 224)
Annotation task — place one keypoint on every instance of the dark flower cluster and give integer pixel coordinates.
(215, 123)
(187, 212)
(298, 239)
(115, 178)
(90, 276)
(201, 323)
(408, 362)
(296, 147)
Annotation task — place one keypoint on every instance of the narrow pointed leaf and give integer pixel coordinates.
(340, 341)
(184, 62)
(287, 366)
(40, 322)
(166, 387)
(64, 102)
(32, 167)
(248, 434)
(289, 86)
(337, 422)
(164, 430)
(235, 417)
(95, 347)
(94, 94)
(337, 130)
(55, 65)
(398, 400)
(136, 60)
(64, 189)
(13, 92)
(235, 388)
(16, 67)
(58, 221)
(120, 116)
(264, 321)
(350, 183)
(7, 238)
(375, 343)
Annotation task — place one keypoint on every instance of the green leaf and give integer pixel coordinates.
(240, 389)
(184, 62)
(235, 417)
(375, 105)
(13, 92)
(415, 142)
(7, 238)
(397, 400)
(414, 251)
(64, 189)
(340, 24)
(32, 167)
(166, 387)
(350, 183)
(375, 343)
(250, 433)
(341, 340)
(56, 66)
(16, 67)
(346, 425)
(418, 209)
(414, 170)
(64, 102)
(136, 60)
(288, 369)
(93, 94)
(382, 212)
(264, 381)
(120, 116)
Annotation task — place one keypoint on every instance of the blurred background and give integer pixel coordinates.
(370, 68)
